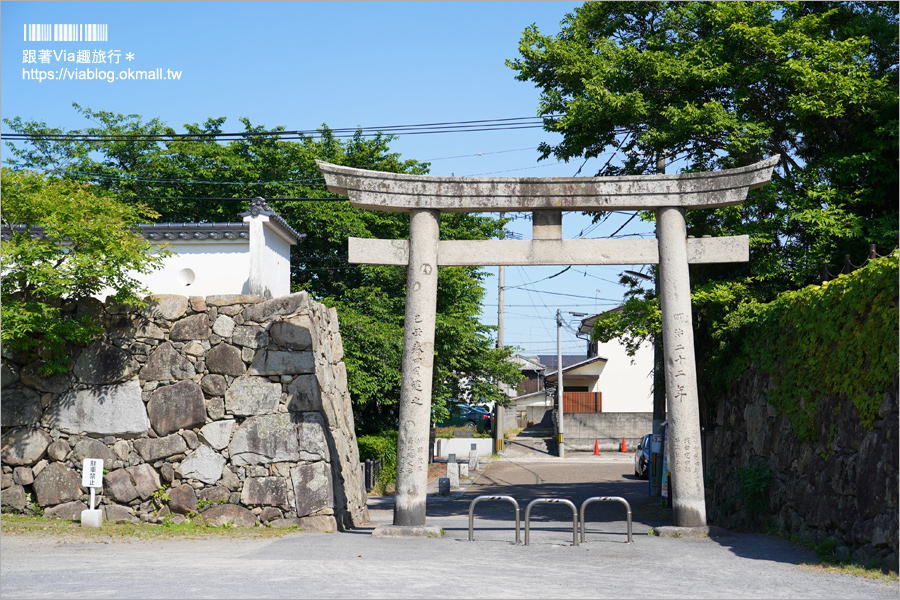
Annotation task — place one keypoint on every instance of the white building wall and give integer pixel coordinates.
(626, 386)
(203, 268)
(276, 263)
(199, 268)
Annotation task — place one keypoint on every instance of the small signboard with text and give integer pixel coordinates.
(92, 473)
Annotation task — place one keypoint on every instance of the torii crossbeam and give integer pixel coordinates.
(425, 197)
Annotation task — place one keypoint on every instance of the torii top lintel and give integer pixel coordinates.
(376, 190)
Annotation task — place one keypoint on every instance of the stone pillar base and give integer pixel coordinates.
(691, 532)
(407, 531)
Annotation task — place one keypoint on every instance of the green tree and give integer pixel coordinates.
(197, 178)
(724, 84)
(63, 242)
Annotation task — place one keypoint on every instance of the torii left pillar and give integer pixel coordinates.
(418, 360)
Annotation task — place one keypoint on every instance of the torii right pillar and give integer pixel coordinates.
(682, 401)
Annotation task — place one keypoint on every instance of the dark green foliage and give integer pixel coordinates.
(87, 247)
(383, 446)
(836, 339)
(725, 84)
(753, 488)
(200, 179)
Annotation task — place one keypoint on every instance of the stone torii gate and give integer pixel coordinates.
(426, 197)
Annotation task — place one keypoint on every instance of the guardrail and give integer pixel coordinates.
(552, 501)
(479, 499)
(599, 499)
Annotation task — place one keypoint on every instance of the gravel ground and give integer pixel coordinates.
(357, 565)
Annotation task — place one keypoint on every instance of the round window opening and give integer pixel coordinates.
(185, 277)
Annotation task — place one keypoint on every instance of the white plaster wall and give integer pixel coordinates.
(626, 387)
(276, 263)
(218, 267)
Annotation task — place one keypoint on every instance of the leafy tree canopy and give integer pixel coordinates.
(62, 242)
(201, 179)
(725, 84)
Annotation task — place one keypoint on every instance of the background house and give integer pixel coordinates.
(603, 380)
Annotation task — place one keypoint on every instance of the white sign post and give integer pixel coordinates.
(92, 477)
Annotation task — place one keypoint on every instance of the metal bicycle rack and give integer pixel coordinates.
(553, 501)
(581, 512)
(479, 499)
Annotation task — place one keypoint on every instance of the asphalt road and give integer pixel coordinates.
(356, 565)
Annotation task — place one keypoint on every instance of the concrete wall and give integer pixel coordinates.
(607, 429)
(443, 447)
(277, 263)
(235, 406)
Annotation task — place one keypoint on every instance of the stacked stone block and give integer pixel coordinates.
(841, 487)
(225, 408)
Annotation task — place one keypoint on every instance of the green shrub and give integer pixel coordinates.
(754, 483)
(383, 446)
(835, 339)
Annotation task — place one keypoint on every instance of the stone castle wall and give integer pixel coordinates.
(841, 487)
(225, 408)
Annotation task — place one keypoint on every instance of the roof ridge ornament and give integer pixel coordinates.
(259, 206)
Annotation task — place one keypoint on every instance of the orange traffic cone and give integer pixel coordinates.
(622, 449)
(596, 447)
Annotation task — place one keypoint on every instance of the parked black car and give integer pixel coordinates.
(642, 459)
(470, 417)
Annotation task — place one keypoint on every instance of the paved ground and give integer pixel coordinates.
(357, 565)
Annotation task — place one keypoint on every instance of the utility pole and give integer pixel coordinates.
(501, 285)
(559, 385)
(498, 426)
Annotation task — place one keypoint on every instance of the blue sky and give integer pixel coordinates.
(347, 64)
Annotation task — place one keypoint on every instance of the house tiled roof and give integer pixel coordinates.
(166, 231)
(549, 360)
(196, 231)
(587, 324)
(569, 367)
(193, 231)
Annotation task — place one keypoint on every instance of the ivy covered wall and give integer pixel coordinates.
(805, 437)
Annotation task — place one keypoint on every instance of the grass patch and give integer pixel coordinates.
(512, 433)
(829, 562)
(852, 569)
(73, 531)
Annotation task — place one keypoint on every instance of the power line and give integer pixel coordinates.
(344, 132)
(477, 154)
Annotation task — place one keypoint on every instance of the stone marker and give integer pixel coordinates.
(444, 486)
(453, 474)
(463, 470)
